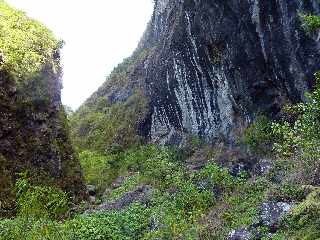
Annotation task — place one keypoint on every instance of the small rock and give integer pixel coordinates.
(92, 191)
(263, 167)
(272, 212)
(240, 234)
(92, 199)
(142, 194)
(118, 182)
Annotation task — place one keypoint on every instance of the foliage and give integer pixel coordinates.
(304, 220)
(131, 183)
(287, 192)
(310, 23)
(111, 116)
(177, 202)
(128, 224)
(97, 169)
(217, 178)
(303, 135)
(258, 136)
(243, 205)
(39, 201)
(25, 44)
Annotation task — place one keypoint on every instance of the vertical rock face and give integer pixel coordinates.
(208, 67)
(215, 64)
(33, 124)
(34, 134)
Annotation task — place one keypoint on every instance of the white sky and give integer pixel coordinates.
(98, 35)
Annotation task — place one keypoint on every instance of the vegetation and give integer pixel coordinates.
(172, 214)
(33, 126)
(259, 136)
(182, 203)
(311, 23)
(25, 44)
(96, 124)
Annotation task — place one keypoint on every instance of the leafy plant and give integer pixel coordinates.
(310, 23)
(258, 136)
(40, 201)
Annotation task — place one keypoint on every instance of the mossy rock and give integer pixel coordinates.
(34, 132)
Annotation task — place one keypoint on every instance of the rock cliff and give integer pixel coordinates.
(33, 125)
(218, 63)
(210, 67)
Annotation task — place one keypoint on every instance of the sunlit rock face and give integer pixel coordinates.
(215, 64)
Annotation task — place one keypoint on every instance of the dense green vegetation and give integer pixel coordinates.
(109, 118)
(311, 23)
(182, 203)
(25, 44)
(33, 125)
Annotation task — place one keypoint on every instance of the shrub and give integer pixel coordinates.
(217, 178)
(40, 201)
(310, 23)
(97, 169)
(302, 137)
(258, 136)
(304, 220)
(130, 223)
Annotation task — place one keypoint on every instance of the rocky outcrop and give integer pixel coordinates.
(141, 194)
(207, 68)
(270, 217)
(272, 212)
(218, 63)
(34, 134)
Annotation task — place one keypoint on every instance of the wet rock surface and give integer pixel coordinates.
(207, 68)
(34, 132)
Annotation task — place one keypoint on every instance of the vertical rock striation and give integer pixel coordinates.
(208, 67)
(218, 63)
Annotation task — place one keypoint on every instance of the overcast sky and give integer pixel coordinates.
(98, 35)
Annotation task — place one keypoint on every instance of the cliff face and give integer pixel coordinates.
(33, 124)
(209, 67)
(218, 63)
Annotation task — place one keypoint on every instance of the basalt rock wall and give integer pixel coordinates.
(216, 64)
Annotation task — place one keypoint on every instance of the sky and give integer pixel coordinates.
(98, 34)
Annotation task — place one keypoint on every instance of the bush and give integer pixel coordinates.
(97, 169)
(310, 23)
(304, 220)
(40, 201)
(258, 136)
(130, 223)
(217, 178)
(301, 139)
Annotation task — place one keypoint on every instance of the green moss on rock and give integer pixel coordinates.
(34, 134)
